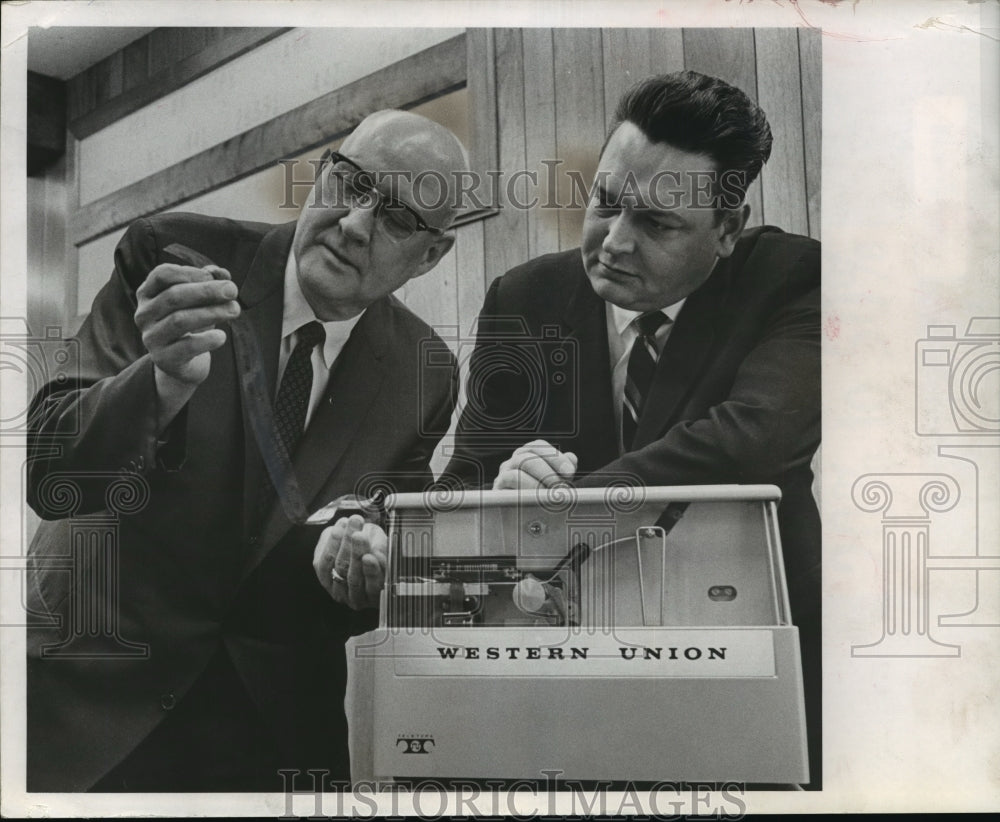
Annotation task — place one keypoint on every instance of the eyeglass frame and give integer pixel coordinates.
(382, 201)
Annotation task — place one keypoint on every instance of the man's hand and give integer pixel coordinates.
(536, 464)
(179, 309)
(349, 561)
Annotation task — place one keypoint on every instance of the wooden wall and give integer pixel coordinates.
(536, 97)
(555, 92)
(149, 68)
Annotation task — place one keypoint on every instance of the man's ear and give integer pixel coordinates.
(435, 251)
(730, 227)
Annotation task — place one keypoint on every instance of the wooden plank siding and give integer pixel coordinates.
(536, 96)
(555, 101)
(506, 235)
(783, 179)
(540, 137)
(150, 68)
(580, 124)
(729, 54)
(631, 55)
(424, 75)
(811, 70)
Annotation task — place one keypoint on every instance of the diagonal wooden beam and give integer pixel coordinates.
(422, 76)
(140, 90)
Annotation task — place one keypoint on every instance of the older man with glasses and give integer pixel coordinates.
(248, 374)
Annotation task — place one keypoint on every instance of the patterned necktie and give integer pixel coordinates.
(639, 376)
(296, 385)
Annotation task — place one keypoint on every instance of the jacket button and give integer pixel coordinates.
(168, 701)
(254, 540)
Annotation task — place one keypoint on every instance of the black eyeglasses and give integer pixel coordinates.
(397, 220)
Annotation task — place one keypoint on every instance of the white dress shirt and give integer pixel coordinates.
(297, 312)
(622, 332)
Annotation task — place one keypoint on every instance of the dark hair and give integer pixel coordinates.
(698, 113)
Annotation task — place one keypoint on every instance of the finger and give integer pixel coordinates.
(355, 572)
(552, 456)
(351, 525)
(539, 448)
(567, 465)
(563, 463)
(544, 469)
(374, 572)
(326, 550)
(377, 540)
(177, 325)
(516, 480)
(183, 295)
(324, 559)
(166, 275)
(368, 545)
(217, 272)
(539, 444)
(533, 447)
(185, 349)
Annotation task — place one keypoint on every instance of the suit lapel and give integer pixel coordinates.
(261, 298)
(683, 359)
(585, 316)
(355, 381)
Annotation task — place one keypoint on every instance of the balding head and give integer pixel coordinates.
(353, 246)
(426, 158)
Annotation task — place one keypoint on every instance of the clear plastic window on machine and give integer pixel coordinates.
(594, 564)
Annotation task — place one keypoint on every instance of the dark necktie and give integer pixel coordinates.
(296, 385)
(639, 376)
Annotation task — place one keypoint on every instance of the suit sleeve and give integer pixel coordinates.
(767, 426)
(436, 412)
(492, 424)
(102, 419)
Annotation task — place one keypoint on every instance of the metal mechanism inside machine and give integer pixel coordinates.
(488, 591)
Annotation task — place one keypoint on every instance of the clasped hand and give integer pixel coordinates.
(349, 562)
(536, 464)
(179, 309)
(350, 556)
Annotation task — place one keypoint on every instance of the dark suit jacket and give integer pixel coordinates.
(200, 566)
(735, 399)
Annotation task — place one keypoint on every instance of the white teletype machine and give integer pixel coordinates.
(617, 633)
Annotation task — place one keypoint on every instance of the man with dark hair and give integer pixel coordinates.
(238, 375)
(696, 342)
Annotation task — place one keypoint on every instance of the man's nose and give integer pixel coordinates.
(620, 238)
(359, 221)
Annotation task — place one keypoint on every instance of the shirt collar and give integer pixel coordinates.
(623, 317)
(297, 312)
